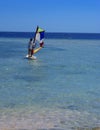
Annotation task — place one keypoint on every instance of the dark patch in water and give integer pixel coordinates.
(72, 107)
(63, 107)
(10, 105)
(27, 78)
(93, 93)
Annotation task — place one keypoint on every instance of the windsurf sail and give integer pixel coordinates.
(39, 37)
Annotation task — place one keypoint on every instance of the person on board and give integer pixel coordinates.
(31, 46)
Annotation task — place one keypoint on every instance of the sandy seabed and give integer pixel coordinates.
(47, 119)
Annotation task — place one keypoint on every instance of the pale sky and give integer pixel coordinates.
(52, 15)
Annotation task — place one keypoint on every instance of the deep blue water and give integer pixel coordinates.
(52, 35)
(59, 90)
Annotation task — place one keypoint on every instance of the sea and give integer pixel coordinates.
(60, 90)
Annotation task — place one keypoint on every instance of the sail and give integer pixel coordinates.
(40, 35)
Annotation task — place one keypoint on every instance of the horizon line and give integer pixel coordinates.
(49, 32)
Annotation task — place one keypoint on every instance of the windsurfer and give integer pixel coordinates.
(31, 46)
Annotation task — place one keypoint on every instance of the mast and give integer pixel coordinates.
(35, 34)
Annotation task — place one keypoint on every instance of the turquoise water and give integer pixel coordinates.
(59, 90)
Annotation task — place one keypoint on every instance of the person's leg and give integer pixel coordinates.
(32, 52)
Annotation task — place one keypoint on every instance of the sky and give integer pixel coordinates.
(82, 16)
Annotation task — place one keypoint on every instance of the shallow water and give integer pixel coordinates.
(59, 90)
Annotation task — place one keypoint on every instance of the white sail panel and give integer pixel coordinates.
(38, 37)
